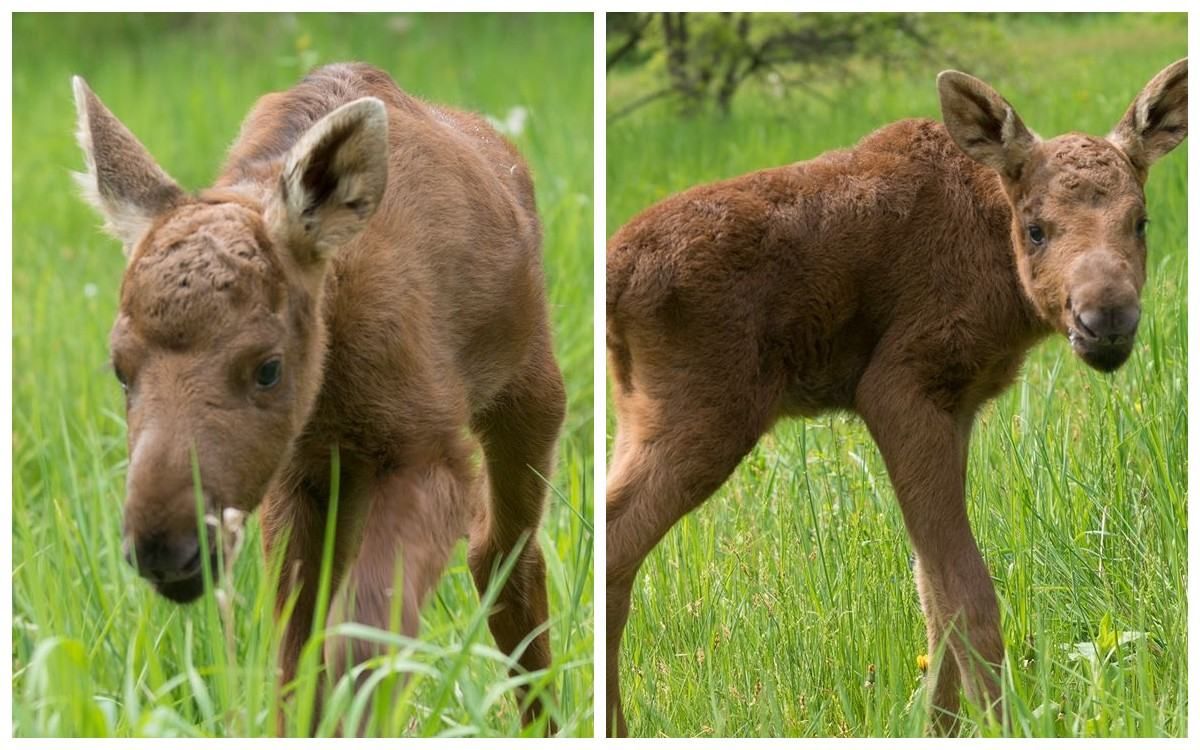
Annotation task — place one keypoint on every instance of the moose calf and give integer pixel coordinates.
(903, 279)
(365, 275)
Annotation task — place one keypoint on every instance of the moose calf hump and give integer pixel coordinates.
(203, 268)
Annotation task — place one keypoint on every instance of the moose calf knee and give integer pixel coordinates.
(526, 580)
(343, 654)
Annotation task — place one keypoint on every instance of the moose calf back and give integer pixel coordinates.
(802, 269)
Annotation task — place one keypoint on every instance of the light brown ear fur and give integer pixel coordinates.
(332, 181)
(122, 181)
(983, 124)
(1157, 119)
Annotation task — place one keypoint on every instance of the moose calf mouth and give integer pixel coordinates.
(189, 585)
(183, 581)
(1105, 356)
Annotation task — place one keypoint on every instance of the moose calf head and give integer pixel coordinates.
(218, 342)
(1079, 211)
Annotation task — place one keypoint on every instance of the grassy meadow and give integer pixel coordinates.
(785, 605)
(95, 652)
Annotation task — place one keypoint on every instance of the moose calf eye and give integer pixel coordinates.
(1036, 235)
(268, 373)
(1141, 228)
(121, 378)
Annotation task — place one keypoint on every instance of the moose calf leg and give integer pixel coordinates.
(518, 433)
(924, 448)
(959, 589)
(944, 682)
(414, 518)
(295, 517)
(669, 458)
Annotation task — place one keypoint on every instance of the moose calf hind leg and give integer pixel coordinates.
(518, 434)
(669, 459)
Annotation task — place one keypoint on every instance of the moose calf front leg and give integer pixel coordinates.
(924, 448)
(414, 518)
(297, 517)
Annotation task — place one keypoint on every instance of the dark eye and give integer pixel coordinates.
(122, 378)
(1141, 228)
(268, 373)
(1036, 235)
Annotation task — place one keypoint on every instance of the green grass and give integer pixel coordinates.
(95, 652)
(785, 606)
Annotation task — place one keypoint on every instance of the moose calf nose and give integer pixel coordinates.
(164, 558)
(1110, 324)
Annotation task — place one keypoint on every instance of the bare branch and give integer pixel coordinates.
(640, 102)
(631, 42)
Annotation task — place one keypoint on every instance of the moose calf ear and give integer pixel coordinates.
(1156, 121)
(333, 180)
(122, 181)
(983, 124)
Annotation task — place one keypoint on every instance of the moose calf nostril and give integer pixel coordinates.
(1108, 324)
(189, 554)
(1090, 322)
(1125, 320)
(162, 559)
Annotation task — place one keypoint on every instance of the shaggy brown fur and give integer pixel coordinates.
(903, 279)
(365, 275)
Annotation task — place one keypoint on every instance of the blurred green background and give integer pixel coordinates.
(785, 605)
(94, 651)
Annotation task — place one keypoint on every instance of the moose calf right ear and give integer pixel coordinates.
(122, 181)
(333, 179)
(1157, 120)
(983, 124)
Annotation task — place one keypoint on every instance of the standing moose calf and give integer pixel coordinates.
(366, 275)
(903, 279)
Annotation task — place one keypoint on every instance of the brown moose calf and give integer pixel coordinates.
(903, 279)
(365, 275)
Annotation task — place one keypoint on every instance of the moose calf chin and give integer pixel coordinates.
(365, 276)
(903, 279)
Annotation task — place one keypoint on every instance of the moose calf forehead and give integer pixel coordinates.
(1082, 169)
(198, 272)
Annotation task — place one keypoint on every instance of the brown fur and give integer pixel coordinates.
(897, 279)
(387, 253)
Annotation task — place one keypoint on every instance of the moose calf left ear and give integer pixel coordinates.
(983, 124)
(332, 181)
(122, 181)
(1156, 121)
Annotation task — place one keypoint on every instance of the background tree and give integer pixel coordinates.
(701, 60)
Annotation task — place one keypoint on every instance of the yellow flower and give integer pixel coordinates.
(922, 662)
